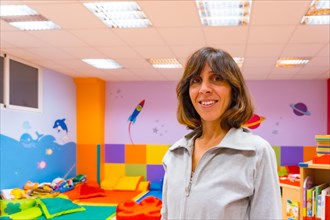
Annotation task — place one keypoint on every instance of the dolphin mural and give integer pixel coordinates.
(60, 125)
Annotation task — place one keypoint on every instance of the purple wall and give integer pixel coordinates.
(274, 100)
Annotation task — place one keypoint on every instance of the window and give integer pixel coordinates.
(20, 84)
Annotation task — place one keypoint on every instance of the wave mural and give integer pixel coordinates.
(39, 159)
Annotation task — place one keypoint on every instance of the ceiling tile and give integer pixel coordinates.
(16, 39)
(270, 34)
(263, 50)
(140, 36)
(58, 38)
(301, 50)
(171, 14)
(59, 14)
(270, 12)
(83, 52)
(311, 34)
(118, 52)
(259, 61)
(177, 32)
(226, 35)
(155, 52)
(319, 61)
(99, 37)
(325, 51)
(182, 36)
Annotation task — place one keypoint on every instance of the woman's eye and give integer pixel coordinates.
(217, 78)
(195, 80)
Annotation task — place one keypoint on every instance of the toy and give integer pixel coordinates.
(43, 191)
(18, 193)
(62, 185)
(30, 185)
(148, 209)
(79, 179)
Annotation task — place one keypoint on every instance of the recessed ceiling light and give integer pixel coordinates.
(25, 18)
(291, 61)
(16, 10)
(35, 25)
(103, 63)
(165, 63)
(224, 13)
(123, 14)
(318, 13)
(239, 61)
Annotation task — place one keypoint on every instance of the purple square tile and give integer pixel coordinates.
(155, 172)
(292, 155)
(114, 153)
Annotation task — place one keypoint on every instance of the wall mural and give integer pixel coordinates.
(300, 109)
(254, 122)
(132, 117)
(36, 157)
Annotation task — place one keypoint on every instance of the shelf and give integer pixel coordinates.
(311, 165)
(288, 186)
(319, 173)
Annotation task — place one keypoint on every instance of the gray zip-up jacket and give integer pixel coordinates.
(236, 179)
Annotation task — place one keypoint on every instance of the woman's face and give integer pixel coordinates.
(210, 95)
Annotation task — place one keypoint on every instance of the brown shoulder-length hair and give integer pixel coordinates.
(240, 109)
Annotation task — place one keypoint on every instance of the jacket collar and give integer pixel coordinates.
(238, 139)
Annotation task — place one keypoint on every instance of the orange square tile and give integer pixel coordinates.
(135, 154)
(309, 152)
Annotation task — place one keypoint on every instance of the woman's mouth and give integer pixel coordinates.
(207, 103)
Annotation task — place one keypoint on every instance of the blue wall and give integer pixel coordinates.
(32, 145)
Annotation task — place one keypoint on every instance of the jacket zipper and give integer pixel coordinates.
(188, 188)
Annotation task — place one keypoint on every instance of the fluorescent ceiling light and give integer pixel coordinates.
(103, 63)
(291, 61)
(16, 10)
(239, 61)
(35, 25)
(25, 18)
(125, 14)
(318, 13)
(165, 63)
(224, 13)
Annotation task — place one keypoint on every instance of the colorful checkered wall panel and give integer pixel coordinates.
(293, 155)
(135, 160)
(146, 160)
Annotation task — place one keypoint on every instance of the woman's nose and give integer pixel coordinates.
(205, 87)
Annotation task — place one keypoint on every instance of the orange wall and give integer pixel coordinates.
(90, 105)
(328, 106)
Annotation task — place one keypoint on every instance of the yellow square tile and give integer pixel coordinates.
(155, 153)
(112, 170)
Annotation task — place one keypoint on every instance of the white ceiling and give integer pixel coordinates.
(274, 31)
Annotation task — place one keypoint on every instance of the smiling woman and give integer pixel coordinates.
(219, 161)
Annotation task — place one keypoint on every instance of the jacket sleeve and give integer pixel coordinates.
(164, 195)
(266, 200)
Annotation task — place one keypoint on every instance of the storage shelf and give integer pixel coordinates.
(311, 165)
(320, 173)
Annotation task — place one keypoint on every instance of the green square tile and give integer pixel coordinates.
(136, 170)
(277, 150)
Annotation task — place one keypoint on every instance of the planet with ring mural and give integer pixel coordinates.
(254, 121)
(300, 109)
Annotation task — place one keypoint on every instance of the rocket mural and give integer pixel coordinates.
(132, 117)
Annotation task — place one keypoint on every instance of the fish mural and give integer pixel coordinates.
(132, 117)
(60, 125)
